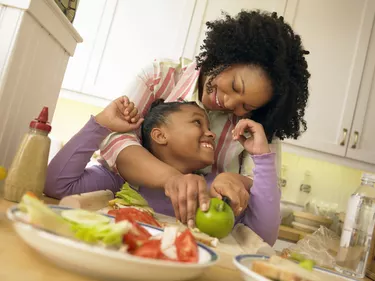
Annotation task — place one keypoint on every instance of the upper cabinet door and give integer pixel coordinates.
(362, 138)
(132, 34)
(87, 21)
(337, 33)
(208, 10)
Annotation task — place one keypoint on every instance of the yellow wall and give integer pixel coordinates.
(69, 117)
(330, 182)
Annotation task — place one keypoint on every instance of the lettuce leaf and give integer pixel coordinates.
(40, 215)
(108, 234)
(130, 197)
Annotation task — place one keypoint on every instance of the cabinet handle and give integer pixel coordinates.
(356, 134)
(342, 143)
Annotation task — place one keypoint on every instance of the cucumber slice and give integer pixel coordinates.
(84, 217)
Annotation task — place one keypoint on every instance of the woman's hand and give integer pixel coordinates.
(120, 115)
(186, 192)
(257, 143)
(232, 186)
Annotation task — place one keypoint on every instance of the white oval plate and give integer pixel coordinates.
(243, 263)
(104, 263)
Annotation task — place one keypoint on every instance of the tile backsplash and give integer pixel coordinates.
(329, 182)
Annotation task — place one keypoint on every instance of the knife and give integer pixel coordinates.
(226, 200)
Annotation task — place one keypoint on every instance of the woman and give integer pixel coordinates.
(251, 65)
(177, 134)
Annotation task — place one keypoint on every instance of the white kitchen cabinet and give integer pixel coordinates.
(87, 21)
(337, 34)
(361, 145)
(208, 10)
(36, 41)
(123, 38)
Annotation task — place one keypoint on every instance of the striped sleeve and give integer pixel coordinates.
(155, 81)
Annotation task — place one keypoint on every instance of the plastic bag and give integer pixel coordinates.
(321, 246)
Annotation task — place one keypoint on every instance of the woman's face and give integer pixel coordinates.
(189, 139)
(239, 89)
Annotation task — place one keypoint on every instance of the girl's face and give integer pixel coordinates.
(189, 139)
(239, 89)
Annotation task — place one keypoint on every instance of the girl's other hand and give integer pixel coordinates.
(229, 185)
(256, 143)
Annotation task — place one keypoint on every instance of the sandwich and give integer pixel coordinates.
(280, 269)
(128, 197)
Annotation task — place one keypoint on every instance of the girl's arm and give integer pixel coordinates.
(262, 201)
(262, 214)
(67, 173)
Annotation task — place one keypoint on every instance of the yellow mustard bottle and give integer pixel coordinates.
(29, 167)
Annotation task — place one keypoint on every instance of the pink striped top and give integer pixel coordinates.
(174, 80)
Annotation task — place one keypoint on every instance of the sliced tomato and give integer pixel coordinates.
(136, 237)
(133, 241)
(112, 212)
(29, 193)
(164, 257)
(141, 230)
(187, 248)
(149, 249)
(133, 214)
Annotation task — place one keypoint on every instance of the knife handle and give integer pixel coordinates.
(226, 200)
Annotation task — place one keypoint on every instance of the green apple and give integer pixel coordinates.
(218, 221)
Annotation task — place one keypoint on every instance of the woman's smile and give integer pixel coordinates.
(216, 100)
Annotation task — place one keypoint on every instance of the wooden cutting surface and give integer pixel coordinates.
(19, 262)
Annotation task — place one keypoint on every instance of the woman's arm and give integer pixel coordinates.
(124, 151)
(263, 212)
(67, 173)
(150, 172)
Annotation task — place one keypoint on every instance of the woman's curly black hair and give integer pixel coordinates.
(262, 39)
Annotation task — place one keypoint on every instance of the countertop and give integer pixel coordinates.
(20, 262)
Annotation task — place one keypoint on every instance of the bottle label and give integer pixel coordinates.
(359, 221)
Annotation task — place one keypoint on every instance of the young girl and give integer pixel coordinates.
(251, 65)
(177, 134)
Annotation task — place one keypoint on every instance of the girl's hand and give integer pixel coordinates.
(231, 186)
(257, 143)
(120, 115)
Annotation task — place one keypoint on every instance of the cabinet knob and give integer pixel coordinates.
(354, 145)
(343, 141)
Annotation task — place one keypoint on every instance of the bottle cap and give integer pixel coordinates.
(41, 123)
(368, 177)
(3, 173)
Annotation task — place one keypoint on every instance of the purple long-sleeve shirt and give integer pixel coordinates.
(67, 174)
